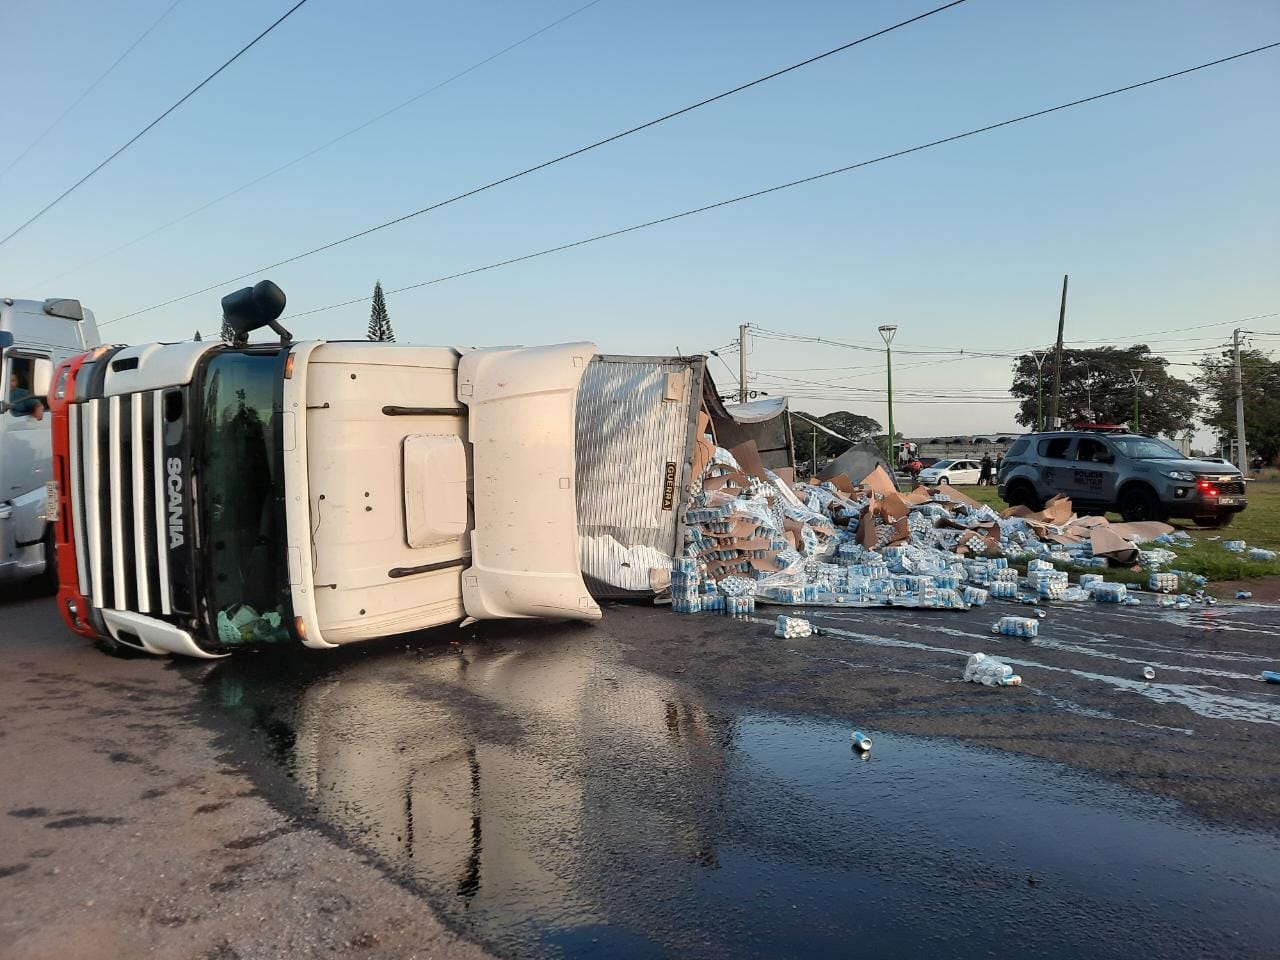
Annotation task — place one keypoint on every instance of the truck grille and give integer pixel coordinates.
(1230, 486)
(118, 499)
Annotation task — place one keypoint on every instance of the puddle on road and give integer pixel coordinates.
(550, 801)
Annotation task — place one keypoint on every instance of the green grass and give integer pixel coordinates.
(1258, 525)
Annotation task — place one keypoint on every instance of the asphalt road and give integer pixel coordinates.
(126, 831)
(655, 785)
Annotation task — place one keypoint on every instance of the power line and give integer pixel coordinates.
(89, 89)
(141, 133)
(548, 163)
(742, 197)
(1202, 326)
(322, 147)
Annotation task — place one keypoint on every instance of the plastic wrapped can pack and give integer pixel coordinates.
(1165, 582)
(792, 627)
(1109, 592)
(1016, 627)
(1004, 589)
(990, 672)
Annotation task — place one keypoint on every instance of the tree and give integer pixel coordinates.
(1097, 386)
(197, 337)
(379, 321)
(228, 334)
(1260, 379)
(852, 425)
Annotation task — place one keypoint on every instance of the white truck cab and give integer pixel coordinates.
(35, 336)
(323, 493)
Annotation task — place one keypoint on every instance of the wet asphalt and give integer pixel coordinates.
(664, 785)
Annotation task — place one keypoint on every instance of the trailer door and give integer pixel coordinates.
(524, 545)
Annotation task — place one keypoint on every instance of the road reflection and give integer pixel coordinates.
(530, 780)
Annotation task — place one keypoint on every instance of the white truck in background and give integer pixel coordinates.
(35, 336)
(325, 493)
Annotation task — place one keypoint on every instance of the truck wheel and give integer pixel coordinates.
(47, 583)
(1140, 503)
(1022, 494)
(1214, 522)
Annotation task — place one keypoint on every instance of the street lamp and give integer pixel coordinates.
(887, 330)
(1137, 378)
(1040, 358)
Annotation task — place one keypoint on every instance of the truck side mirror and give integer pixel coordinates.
(253, 307)
(41, 377)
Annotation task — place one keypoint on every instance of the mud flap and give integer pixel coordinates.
(521, 424)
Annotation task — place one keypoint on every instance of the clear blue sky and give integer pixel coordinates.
(1161, 204)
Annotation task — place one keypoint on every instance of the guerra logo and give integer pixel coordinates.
(173, 467)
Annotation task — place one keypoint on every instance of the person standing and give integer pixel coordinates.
(984, 470)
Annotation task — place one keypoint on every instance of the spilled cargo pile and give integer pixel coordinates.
(753, 535)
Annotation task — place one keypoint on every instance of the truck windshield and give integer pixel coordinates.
(1146, 449)
(241, 478)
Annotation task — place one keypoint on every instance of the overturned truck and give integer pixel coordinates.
(215, 497)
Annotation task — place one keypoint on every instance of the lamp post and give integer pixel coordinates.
(887, 331)
(1137, 378)
(1040, 358)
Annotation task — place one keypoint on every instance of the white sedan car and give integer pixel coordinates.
(951, 471)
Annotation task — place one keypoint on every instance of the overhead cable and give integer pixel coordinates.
(554, 160)
(89, 89)
(143, 132)
(322, 147)
(732, 200)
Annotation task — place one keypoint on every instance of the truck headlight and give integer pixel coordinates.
(1181, 475)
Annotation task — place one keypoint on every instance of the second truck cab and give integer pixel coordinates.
(34, 337)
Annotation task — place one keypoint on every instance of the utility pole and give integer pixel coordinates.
(742, 362)
(886, 333)
(1137, 378)
(1057, 360)
(813, 471)
(1040, 358)
(1242, 451)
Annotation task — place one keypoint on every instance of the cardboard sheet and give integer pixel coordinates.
(879, 481)
(842, 483)
(1107, 543)
(703, 449)
(748, 458)
(1142, 531)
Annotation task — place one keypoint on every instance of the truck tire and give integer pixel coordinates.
(1020, 493)
(1139, 502)
(1214, 521)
